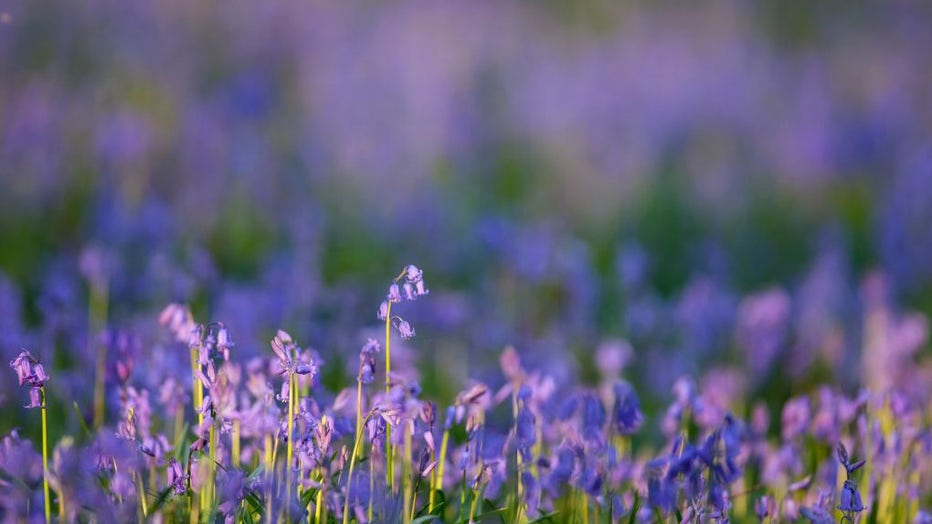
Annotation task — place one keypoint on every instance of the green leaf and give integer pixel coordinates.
(548, 517)
(306, 496)
(254, 503)
(499, 511)
(246, 516)
(425, 519)
(179, 443)
(77, 411)
(635, 506)
(160, 500)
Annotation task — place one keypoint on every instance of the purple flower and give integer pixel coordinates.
(850, 498)
(383, 310)
(626, 416)
(394, 293)
(178, 319)
(795, 417)
(176, 479)
(35, 398)
(367, 361)
(661, 492)
(525, 433)
(405, 329)
(593, 417)
(223, 342)
(409, 293)
(126, 429)
(22, 366)
(30, 372)
(816, 515)
(763, 507)
(414, 274)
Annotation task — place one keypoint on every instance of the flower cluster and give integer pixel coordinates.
(521, 442)
(30, 373)
(407, 286)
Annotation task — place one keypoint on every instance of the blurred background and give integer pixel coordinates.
(723, 191)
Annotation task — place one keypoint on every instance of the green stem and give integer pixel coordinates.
(97, 320)
(349, 476)
(269, 459)
(290, 451)
(196, 385)
(45, 459)
(438, 480)
(143, 504)
(212, 454)
(406, 473)
(519, 463)
(357, 437)
(389, 456)
(319, 510)
(371, 488)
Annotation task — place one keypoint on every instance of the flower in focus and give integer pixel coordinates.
(30, 373)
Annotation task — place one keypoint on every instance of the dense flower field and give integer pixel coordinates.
(674, 262)
(257, 440)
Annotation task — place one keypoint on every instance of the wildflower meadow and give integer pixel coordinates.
(486, 262)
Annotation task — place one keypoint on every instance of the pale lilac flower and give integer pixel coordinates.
(405, 329)
(414, 274)
(177, 481)
(394, 293)
(179, 321)
(383, 310)
(30, 373)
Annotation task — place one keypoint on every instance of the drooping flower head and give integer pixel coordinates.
(289, 355)
(30, 373)
(626, 416)
(407, 286)
(367, 361)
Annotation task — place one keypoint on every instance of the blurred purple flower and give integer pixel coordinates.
(626, 415)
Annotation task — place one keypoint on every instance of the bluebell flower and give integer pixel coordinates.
(593, 417)
(566, 407)
(408, 290)
(795, 417)
(531, 492)
(566, 463)
(525, 434)
(850, 498)
(661, 494)
(383, 310)
(816, 515)
(30, 373)
(394, 293)
(405, 329)
(176, 479)
(763, 507)
(414, 274)
(592, 478)
(626, 416)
